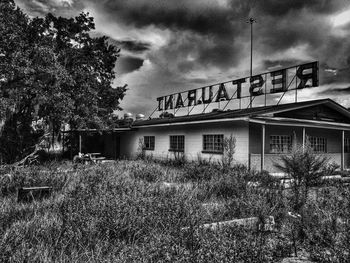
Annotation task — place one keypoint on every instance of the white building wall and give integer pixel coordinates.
(193, 140)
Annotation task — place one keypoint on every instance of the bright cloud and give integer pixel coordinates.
(341, 19)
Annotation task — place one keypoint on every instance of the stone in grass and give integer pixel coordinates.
(29, 194)
(252, 223)
(303, 257)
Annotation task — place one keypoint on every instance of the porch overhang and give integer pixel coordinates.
(280, 121)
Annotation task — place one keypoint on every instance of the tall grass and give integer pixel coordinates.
(124, 212)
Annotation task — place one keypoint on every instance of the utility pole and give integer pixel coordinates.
(251, 21)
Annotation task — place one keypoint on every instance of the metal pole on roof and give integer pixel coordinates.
(80, 142)
(296, 86)
(342, 161)
(251, 21)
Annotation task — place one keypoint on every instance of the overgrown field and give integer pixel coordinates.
(134, 211)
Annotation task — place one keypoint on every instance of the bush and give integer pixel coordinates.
(229, 149)
(148, 171)
(305, 168)
(196, 171)
(327, 226)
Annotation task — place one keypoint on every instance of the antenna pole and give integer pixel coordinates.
(251, 46)
(251, 21)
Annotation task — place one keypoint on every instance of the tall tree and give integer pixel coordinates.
(53, 71)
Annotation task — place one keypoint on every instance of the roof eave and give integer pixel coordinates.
(193, 122)
(279, 121)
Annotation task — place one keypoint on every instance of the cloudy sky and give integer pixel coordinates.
(170, 46)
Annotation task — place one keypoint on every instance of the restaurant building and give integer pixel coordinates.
(262, 134)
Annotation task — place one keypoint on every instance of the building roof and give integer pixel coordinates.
(241, 114)
(121, 129)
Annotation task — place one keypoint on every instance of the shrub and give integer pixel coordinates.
(179, 159)
(305, 168)
(327, 226)
(148, 171)
(331, 169)
(200, 171)
(229, 149)
(227, 186)
(141, 152)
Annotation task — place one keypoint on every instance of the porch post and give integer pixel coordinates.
(342, 149)
(63, 142)
(262, 147)
(304, 137)
(80, 142)
(115, 146)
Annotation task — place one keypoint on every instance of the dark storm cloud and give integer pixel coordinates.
(281, 24)
(222, 54)
(224, 24)
(346, 90)
(335, 64)
(128, 64)
(214, 27)
(336, 76)
(294, 29)
(280, 63)
(281, 8)
(178, 15)
(297, 22)
(336, 91)
(133, 45)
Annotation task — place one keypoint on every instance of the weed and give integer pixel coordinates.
(122, 212)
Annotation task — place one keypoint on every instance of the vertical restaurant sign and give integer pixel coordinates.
(305, 75)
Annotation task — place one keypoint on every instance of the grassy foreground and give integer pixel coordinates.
(134, 211)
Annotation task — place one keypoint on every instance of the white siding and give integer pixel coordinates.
(193, 139)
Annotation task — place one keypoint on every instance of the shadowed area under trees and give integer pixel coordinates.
(52, 72)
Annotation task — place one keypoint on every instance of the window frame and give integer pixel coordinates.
(151, 142)
(215, 144)
(280, 143)
(178, 143)
(315, 142)
(347, 145)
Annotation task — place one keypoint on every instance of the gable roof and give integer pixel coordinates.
(240, 114)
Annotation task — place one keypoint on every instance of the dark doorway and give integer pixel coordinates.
(105, 143)
(92, 143)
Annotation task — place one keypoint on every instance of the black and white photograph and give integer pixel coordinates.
(175, 131)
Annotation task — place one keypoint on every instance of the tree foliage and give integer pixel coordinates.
(53, 71)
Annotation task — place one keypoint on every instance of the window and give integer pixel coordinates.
(347, 145)
(177, 143)
(318, 144)
(213, 143)
(280, 143)
(148, 142)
